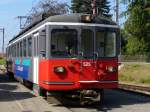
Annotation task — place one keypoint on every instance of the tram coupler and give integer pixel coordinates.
(89, 96)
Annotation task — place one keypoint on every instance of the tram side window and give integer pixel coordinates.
(24, 48)
(9, 51)
(15, 50)
(106, 44)
(18, 50)
(12, 50)
(6, 53)
(21, 47)
(30, 47)
(64, 43)
(36, 46)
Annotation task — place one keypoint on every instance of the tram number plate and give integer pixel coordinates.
(86, 64)
(19, 68)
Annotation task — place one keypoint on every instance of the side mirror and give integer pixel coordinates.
(81, 55)
(42, 54)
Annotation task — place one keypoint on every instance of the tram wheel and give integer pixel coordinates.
(42, 92)
(11, 76)
(101, 97)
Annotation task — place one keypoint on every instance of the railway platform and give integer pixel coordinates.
(14, 97)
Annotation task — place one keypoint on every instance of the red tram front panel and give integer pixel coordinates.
(101, 77)
(51, 80)
(86, 74)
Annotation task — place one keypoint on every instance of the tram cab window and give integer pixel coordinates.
(106, 44)
(64, 43)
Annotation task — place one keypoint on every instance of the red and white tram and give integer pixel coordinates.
(67, 53)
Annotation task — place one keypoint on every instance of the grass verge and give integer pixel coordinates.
(2, 61)
(135, 73)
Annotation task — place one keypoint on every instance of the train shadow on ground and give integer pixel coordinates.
(9, 92)
(113, 99)
(118, 99)
(5, 79)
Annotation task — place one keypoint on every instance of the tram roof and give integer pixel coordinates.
(72, 18)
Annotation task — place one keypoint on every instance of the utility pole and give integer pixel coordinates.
(20, 19)
(117, 12)
(3, 31)
(94, 7)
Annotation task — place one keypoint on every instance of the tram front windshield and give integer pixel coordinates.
(106, 44)
(65, 43)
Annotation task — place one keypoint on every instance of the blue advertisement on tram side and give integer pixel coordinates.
(22, 68)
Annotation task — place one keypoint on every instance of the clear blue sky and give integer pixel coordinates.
(9, 10)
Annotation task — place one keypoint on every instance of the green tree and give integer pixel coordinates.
(76, 5)
(86, 6)
(136, 46)
(137, 27)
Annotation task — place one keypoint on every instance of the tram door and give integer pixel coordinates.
(88, 65)
(35, 57)
(39, 53)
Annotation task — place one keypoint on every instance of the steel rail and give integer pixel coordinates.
(135, 88)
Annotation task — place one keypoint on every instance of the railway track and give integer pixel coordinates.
(114, 101)
(135, 88)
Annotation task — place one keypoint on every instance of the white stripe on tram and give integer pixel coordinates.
(98, 81)
(62, 23)
(36, 70)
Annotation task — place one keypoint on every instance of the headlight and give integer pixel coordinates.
(59, 69)
(111, 69)
(86, 18)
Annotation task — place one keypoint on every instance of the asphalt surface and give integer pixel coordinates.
(118, 101)
(14, 97)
